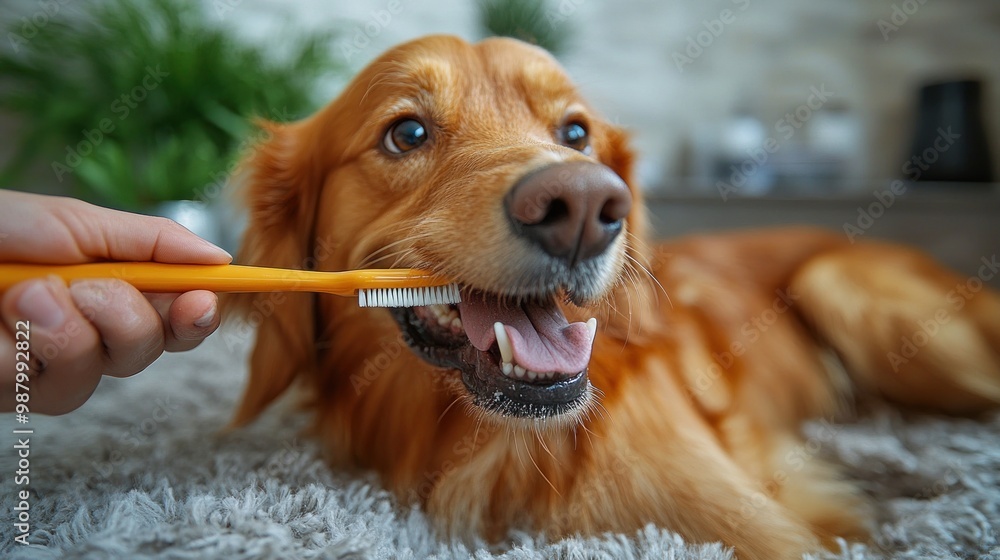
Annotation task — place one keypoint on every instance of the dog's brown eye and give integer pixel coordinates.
(404, 136)
(574, 135)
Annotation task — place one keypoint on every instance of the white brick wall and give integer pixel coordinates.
(765, 59)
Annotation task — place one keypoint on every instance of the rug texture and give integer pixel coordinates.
(145, 471)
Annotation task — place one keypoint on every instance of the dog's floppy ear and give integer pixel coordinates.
(616, 153)
(281, 188)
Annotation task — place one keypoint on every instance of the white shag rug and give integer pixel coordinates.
(142, 471)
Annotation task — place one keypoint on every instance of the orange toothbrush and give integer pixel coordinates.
(396, 287)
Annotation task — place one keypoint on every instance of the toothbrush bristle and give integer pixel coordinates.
(409, 297)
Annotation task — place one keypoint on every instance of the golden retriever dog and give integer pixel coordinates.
(589, 381)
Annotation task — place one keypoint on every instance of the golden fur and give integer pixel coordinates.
(710, 353)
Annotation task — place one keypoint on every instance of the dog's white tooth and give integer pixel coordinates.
(507, 368)
(519, 371)
(532, 375)
(456, 323)
(506, 350)
(592, 326)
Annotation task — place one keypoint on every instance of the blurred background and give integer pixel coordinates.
(875, 118)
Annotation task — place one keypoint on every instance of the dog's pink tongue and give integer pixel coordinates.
(541, 337)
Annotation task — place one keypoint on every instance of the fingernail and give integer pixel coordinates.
(207, 319)
(216, 249)
(38, 305)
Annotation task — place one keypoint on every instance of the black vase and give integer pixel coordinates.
(949, 143)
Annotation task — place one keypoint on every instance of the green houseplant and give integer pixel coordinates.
(135, 103)
(533, 21)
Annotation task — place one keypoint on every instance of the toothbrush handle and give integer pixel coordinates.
(161, 277)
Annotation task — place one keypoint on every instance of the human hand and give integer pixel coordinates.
(93, 327)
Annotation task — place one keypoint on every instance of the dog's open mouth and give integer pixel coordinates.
(516, 359)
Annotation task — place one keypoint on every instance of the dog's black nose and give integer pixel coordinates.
(572, 210)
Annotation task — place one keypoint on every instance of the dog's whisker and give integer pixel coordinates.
(599, 408)
(634, 275)
(475, 434)
(595, 405)
(458, 398)
(541, 441)
(628, 301)
(648, 277)
(609, 306)
(636, 288)
(512, 435)
(587, 432)
(401, 256)
(381, 250)
(379, 254)
(537, 468)
(642, 247)
(648, 273)
(385, 256)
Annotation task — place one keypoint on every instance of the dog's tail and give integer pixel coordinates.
(906, 327)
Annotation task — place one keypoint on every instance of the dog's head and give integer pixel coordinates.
(480, 162)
